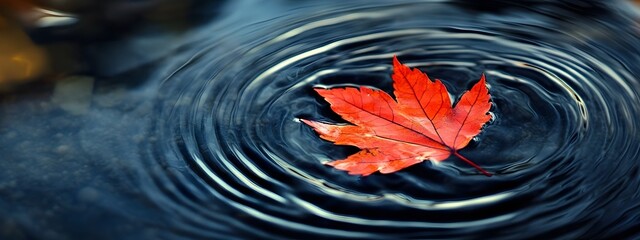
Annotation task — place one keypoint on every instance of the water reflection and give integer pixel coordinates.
(207, 144)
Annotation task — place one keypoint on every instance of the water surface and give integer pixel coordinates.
(210, 146)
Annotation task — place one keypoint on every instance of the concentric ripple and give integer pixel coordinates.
(563, 143)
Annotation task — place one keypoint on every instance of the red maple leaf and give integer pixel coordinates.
(421, 125)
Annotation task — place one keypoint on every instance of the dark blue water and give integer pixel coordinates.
(210, 146)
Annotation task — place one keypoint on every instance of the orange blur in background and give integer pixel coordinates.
(20, 59)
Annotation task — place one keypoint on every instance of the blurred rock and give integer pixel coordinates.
(91, 20)
(73, 94)
(105, 38)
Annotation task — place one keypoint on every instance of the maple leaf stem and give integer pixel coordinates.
(472, 164)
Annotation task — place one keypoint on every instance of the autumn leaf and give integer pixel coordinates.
(393, 134)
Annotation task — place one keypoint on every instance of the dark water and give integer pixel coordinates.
(211, 146)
